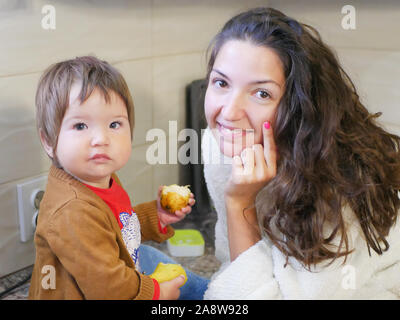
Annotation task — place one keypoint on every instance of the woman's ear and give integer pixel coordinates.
(45, 144)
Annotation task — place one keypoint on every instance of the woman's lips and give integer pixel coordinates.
(230, 133)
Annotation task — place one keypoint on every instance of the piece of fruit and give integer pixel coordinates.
(167, 272)
(174, 197)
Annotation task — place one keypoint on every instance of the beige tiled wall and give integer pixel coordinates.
(159, 45)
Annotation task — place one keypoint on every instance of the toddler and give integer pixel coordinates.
(88, 234)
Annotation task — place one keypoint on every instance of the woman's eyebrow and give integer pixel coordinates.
(222, 74)
(252, 82)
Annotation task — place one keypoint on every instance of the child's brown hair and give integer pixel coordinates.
(52, 95)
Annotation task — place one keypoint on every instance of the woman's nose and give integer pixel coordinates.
(233, 107)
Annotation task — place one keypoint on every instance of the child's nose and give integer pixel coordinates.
(233, 107)
(100, 137)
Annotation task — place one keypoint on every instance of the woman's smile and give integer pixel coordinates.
(231, 133)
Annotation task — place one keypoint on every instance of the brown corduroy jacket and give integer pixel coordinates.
(80, 252)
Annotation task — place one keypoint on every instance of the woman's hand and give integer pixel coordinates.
(166, 217)
(250, 173)
(252, 170)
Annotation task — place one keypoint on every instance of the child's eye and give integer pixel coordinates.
(115, 125)
(262, 94)
(80, 126)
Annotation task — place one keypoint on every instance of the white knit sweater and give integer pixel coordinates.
(259, 272)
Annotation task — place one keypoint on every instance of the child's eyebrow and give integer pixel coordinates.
(85, 117)
(252, 82)
(121, 116)
(80, 117)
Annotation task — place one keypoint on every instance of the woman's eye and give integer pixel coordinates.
(115, 125)
(262, 94)
(220, 83)
(80, 126)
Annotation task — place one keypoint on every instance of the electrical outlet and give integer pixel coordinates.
(26, 193)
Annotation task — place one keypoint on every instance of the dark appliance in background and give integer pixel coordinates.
(192, 173)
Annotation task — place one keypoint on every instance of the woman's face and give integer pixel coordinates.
(244, 90)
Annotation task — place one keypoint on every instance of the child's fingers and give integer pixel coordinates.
(269, 148)
(192, 201)
(186, 210)
(179, 214)
(183, 212)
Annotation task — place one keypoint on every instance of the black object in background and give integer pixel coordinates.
(192, 173)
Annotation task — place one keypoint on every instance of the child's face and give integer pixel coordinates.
(245, 87)
(95, 138)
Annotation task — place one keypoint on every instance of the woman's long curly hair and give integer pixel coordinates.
(332, 153)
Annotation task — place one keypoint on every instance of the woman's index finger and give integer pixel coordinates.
(269, 146)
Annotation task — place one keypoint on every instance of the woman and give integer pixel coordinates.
(308, 203)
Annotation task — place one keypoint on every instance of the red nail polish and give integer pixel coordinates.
(267, 125)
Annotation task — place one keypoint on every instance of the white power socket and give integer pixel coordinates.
(26, 193)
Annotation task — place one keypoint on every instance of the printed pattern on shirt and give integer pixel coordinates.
(131, 234)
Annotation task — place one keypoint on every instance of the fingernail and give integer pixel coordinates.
(267, 125)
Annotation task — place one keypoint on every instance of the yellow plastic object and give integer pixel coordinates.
(186, 243)
(174, 197)
(167, 272)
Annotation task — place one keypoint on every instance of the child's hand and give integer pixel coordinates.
(169, 290)
(166, 217)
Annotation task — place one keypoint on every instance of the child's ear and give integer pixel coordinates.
(45, 144)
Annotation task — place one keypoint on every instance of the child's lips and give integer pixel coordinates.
(100, 157)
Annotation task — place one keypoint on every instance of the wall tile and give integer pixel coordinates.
(17, 102)
(166, 171)
(376, 76)
(166, 174)
(22, 154)
(171, 75)
(375, 22)
(187, 26)
(138, 75)
(113, 31)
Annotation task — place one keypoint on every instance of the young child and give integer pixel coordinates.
(88, 234)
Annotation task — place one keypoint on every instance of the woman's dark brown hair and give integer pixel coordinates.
(332, 152)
